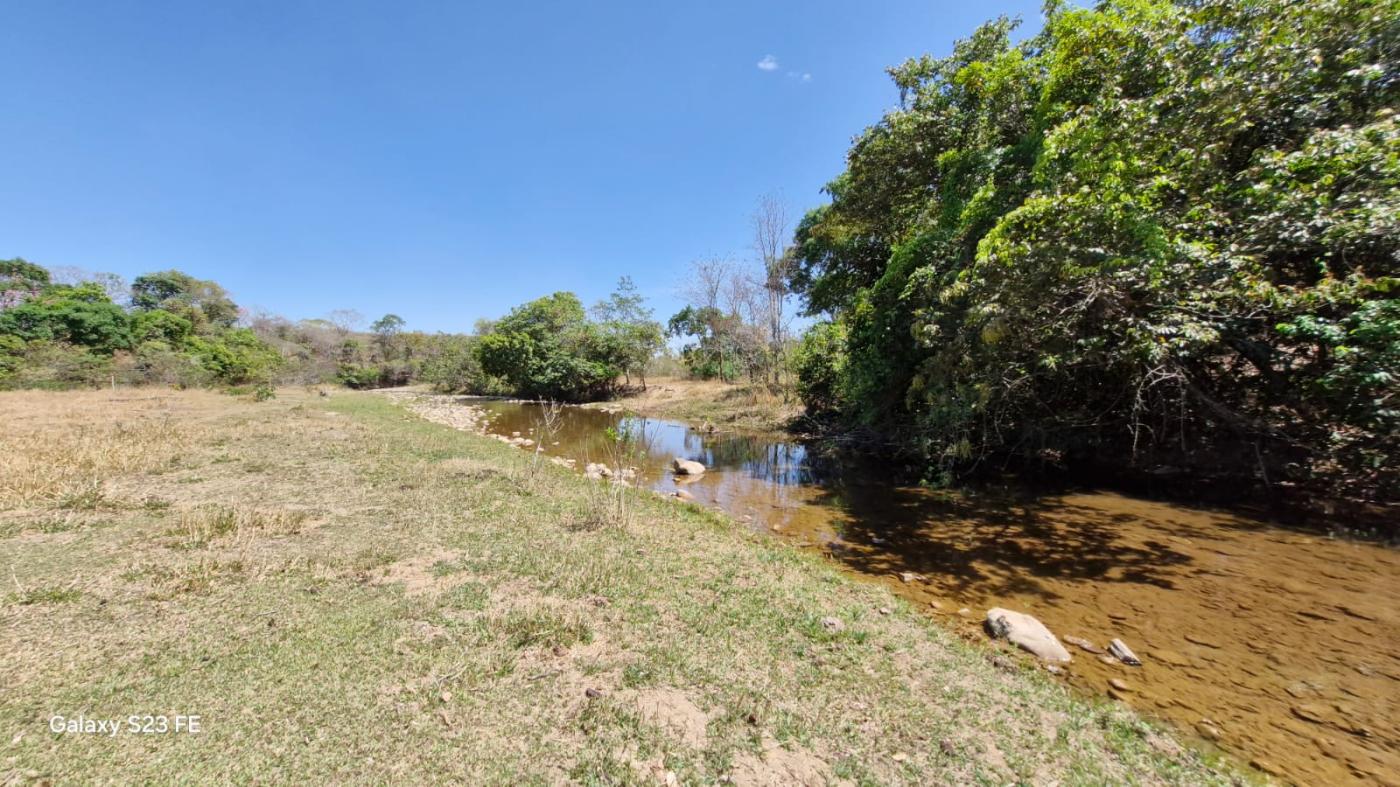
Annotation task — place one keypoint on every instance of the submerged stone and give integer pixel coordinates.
(1123, 653)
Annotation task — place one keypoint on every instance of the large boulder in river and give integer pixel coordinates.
(1025, 632)
(686, 467)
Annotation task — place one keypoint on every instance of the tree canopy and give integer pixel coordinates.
(548, 349)
(202, 302)
(1154, 233)
(629, 326)
(179, 331)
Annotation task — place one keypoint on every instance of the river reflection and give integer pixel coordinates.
(1282, 646)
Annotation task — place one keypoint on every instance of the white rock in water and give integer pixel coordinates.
(1027, 633)
(1124, 653)
(597, 471)
(686, 467)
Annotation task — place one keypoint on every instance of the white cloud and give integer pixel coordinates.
(806, 77)
(768, 63)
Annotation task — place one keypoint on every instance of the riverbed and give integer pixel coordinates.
(1279, 646)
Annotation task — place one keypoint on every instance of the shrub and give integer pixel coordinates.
(357, 376)
(548, 349)
(819, 364)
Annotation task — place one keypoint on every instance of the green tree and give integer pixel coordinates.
(203, 303)
(1154, 232)
(160, 326)
(629, 325)
(548, 349)
(713, 350)
(82, 316)
(20, 279)
(386, 330)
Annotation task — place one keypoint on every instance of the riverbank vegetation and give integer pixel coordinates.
(735, 324)
(1154, 235)
(340, 591)
(550, 349)
(175, 329)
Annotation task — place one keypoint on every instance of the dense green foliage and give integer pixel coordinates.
(179, 330)
(819, 364)
(456, 369)
(1155, 233)
(74, 315)
(548, 349)
(203, 303)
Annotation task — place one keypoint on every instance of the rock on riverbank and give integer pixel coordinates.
(1027, 633)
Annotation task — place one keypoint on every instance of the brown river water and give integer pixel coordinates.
(1280, 647)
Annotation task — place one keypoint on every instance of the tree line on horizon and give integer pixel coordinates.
(65, 328)
(70, 328)
(171, 328)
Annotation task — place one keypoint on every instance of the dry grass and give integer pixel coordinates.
(199, 526)
(724, 406)
(60, 449)
(447, 620)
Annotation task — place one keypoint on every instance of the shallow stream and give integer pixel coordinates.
(1280, 646)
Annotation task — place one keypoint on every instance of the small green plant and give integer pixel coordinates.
(57, 525)
(545, 629)
(262, 392)
(369, 559)
(195, 578)
(638, 675)
(46, 595)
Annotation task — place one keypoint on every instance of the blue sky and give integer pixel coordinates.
(440, 160)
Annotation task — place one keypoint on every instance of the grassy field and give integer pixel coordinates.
(345, 593)
(726, 406)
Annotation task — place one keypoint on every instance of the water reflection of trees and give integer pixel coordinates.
(583, 433)
(760, 457)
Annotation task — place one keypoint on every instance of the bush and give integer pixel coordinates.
(162, 363)
(82, 316)
(235, 356)
(820, 363)
(353, 375)
(57, 365)
(547, 349)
